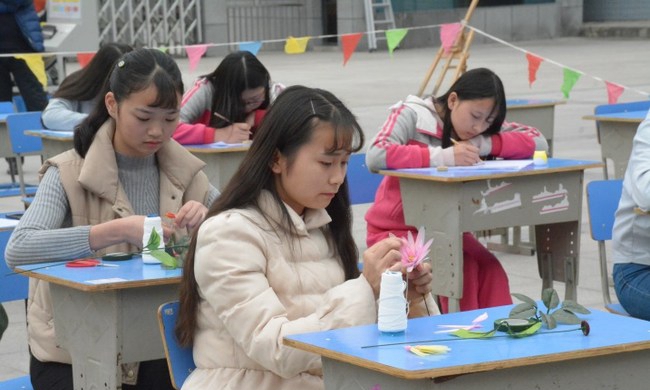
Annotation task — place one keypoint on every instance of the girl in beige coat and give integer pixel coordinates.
(275, 255)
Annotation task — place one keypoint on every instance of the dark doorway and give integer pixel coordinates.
(329, 21)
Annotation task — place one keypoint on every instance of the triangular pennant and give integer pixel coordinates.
(394, 37)
(36, 65)
(533, 66)
(164, 49)
(84, 58)
(296, 45)
(570, 79)
(349, 43)
(253, 47)
(448, 35)
(194, 54)
(614, 91)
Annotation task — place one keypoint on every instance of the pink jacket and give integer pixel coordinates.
(411, 137)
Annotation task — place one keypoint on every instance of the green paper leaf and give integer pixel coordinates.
(548, 320)
(154, 240)
(564, 316)
(165, 258)
(575, 307)
(4, 320)
(528, 331)
(525, 299)
(523, 310)
(550, 298)
(468, 334)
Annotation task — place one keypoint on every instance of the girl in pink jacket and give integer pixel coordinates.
(228, 104)
(458, 128)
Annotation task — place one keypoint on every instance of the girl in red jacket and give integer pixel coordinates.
(458, 128)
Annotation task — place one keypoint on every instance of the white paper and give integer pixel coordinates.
(8, 223)
(497, 165)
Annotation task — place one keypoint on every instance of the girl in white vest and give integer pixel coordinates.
(93, 199)
(276, 256)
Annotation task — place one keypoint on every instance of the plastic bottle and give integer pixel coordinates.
(151, 222)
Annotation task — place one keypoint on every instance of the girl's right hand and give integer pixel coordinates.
(233, 134)
(466, 154)
(378, 258)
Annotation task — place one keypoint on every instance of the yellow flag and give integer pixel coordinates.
(36, 64)
(296, 45)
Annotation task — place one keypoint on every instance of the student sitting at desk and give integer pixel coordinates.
(93, 199)
(81, 91)
(228, 104)
(275, 255)
(631, 232)
(458, 128)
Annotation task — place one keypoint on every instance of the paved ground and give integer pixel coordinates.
(371, 82)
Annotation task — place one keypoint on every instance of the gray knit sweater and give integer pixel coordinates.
(45, 232)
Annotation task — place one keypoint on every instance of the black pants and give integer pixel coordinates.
(28, 85)
(152, 375)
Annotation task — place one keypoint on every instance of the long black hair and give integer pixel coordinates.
(134, 72)
(237, 72)
(86, 83)
(288, 126)
(479, 83)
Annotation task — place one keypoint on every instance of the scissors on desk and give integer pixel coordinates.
(81, 263)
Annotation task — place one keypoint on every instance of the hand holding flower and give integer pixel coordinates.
(190, 215)
(419, 281)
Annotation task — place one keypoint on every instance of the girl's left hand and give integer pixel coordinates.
(419, 281)
(190, 215)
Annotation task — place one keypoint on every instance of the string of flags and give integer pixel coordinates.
(449, 33)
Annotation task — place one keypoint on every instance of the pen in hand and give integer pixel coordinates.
(453, 141)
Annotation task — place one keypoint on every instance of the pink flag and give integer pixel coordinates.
(448, 35)
(613, 92)
(194, 54)
(349, 43)
(533, 66)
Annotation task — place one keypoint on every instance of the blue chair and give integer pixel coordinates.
(19, 104)
(6, 107)
(13, 287)
(602, 201)
(24, 145)
(179, 360)
(362, 183)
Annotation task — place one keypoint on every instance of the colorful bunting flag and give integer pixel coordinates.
(252, 47)
(194, 54)
(614, 91)
(570, 79)
(449, 34)
(164, 49)
(349, 42)
(36, 65)
(533, 66)
(394, 37)
(296, 45)
(84, 58)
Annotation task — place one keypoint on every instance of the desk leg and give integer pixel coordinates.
(86, 325)
(558, 248)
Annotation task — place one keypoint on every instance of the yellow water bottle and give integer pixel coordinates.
(540, 158)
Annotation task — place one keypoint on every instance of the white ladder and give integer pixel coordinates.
(379, 16)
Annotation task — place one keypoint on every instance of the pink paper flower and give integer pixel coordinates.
(414, 251)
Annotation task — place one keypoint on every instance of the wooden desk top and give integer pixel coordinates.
(218, 147)
(610, 334)
(51, 134)
(127, 274)
(516, 104)
(623, 117)
(433, 174)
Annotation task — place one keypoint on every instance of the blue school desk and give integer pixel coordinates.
(613, 356)
(222, 160)
(448, 203)
(616, 132)
(539, 113)
(105, 316)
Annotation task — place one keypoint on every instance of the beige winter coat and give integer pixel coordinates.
(257, 286)
(96, 195)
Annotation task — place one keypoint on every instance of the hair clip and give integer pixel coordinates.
(120, 64)
(313, 110)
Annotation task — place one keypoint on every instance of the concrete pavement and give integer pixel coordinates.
(371, 82)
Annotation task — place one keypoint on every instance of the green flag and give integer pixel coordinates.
(394, 37)
(570, 79)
